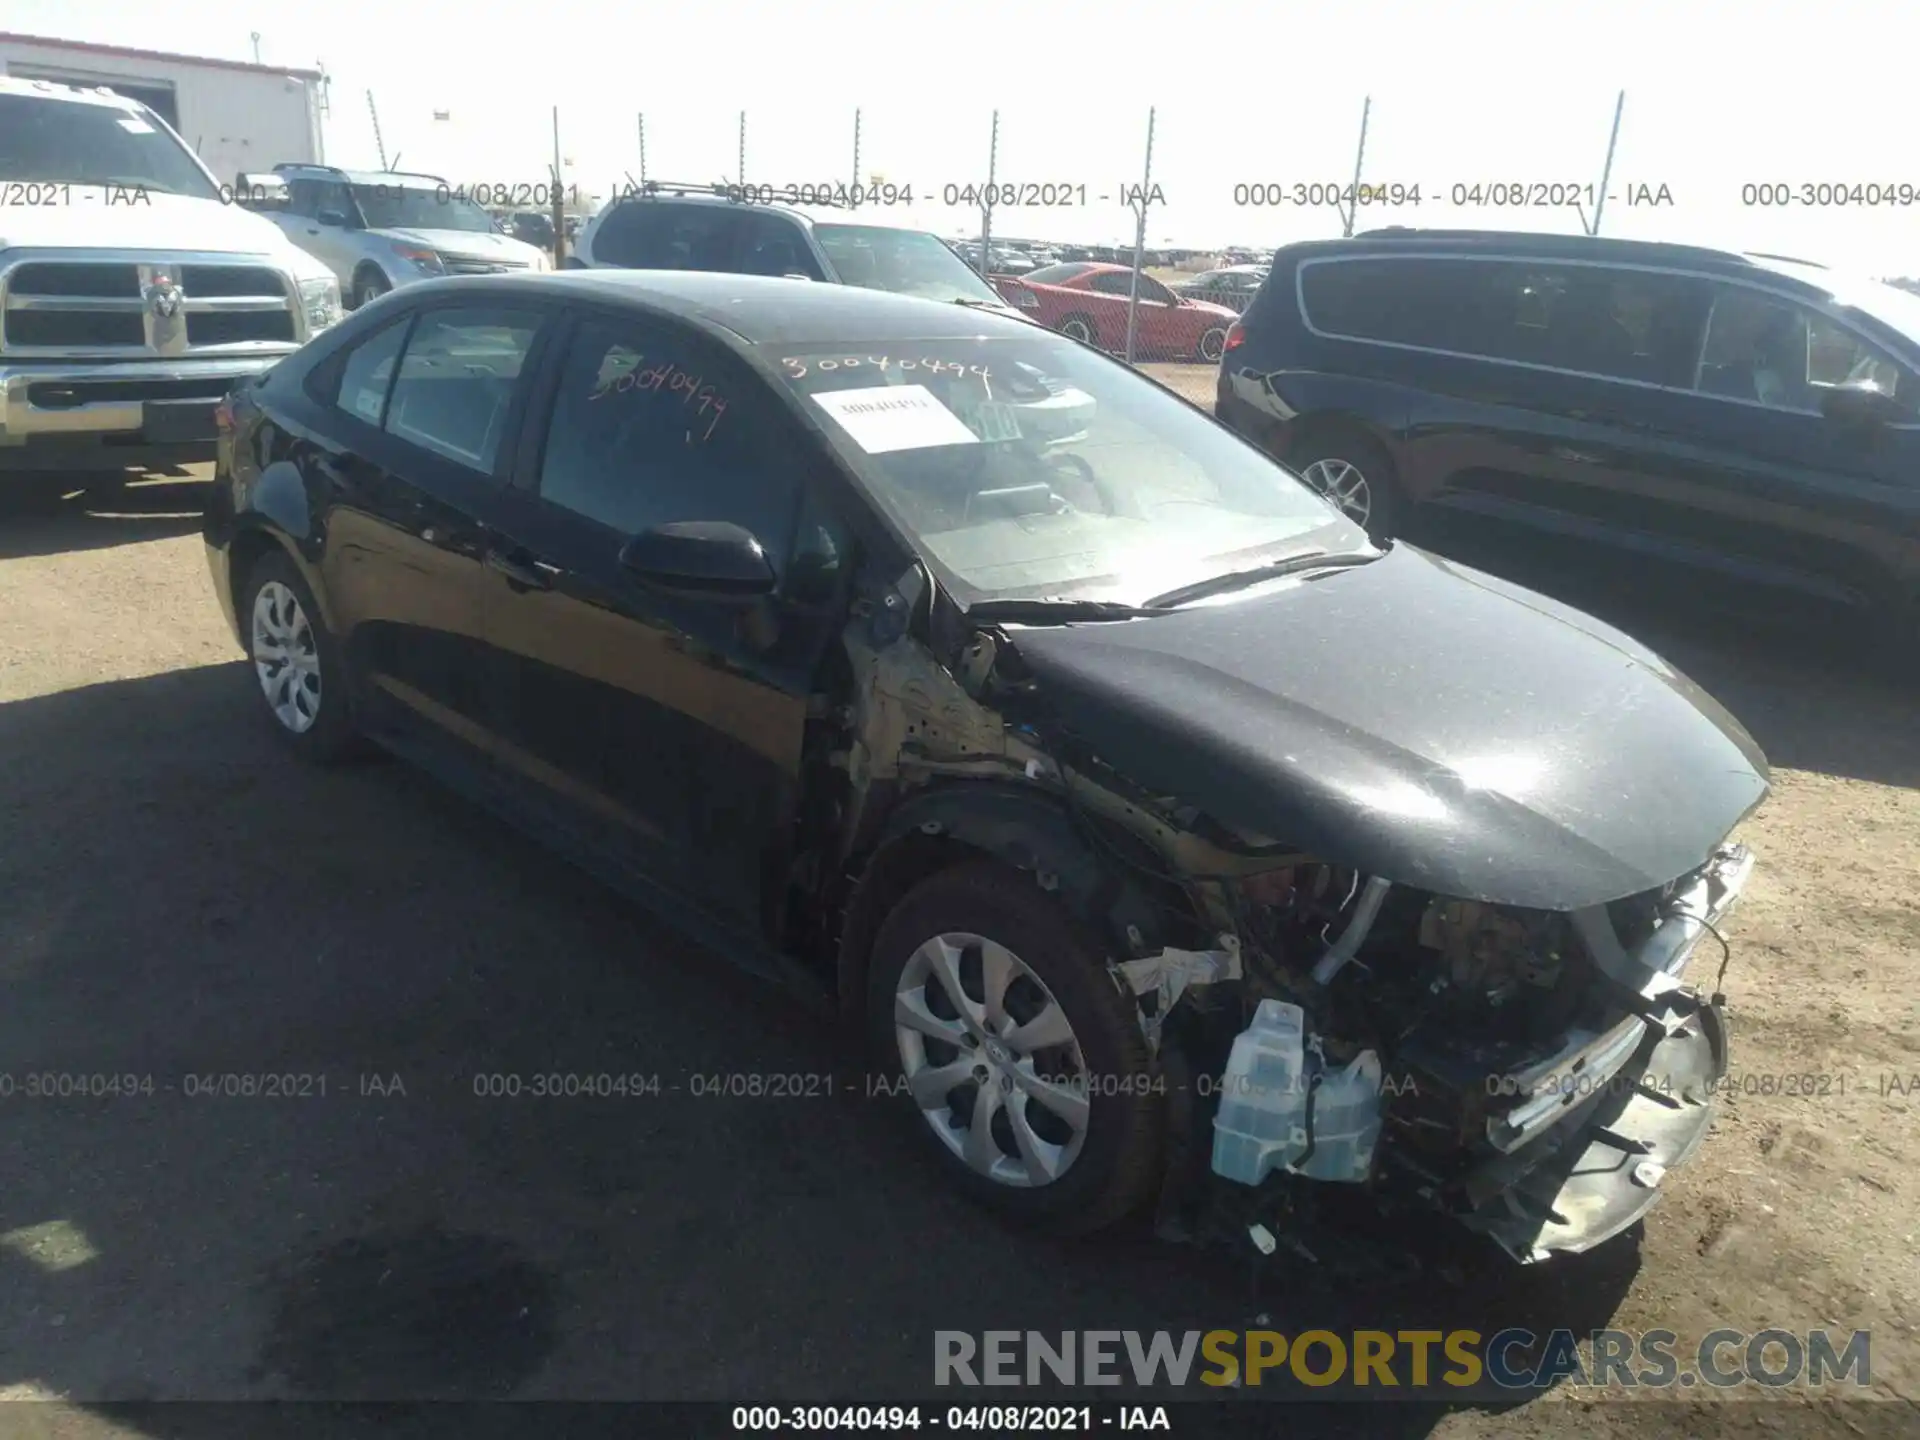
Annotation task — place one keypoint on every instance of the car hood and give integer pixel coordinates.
(476, 244)
(1418, 721)
(127, 219)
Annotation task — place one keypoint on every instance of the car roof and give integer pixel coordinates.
(872, 216)
(73, 94)
(1400, 240)
(749, 309)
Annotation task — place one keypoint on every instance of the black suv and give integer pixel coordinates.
(733, 229)
(1750, 414)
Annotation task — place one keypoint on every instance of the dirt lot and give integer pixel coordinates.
(180, 899)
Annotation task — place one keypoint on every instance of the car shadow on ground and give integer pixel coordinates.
(296, 1000)
(150, 508)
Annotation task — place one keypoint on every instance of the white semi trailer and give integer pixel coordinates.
(237, 116)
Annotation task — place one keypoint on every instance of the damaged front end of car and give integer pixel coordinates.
(1319, 1023)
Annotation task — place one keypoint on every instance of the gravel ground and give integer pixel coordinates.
(180, 899)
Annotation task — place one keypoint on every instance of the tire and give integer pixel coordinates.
(369, 285)
(1083, 1180)
(1213, 344)
(1337, 459)
(1081, 328)
(280, 619)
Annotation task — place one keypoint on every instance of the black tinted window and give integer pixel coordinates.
(1628, 324)
(650, 235)
(773, 246)
(650, 428)
(1056, 274)
(457, 380)
(368, 372)
(1113, 282)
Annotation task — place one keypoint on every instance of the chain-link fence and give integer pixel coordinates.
(1132, 229)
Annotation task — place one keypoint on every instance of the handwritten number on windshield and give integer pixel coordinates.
(925, 364)
(664, 378)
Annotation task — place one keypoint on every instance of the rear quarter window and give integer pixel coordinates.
(645, 235)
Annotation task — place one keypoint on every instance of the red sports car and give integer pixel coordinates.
(1089, 302)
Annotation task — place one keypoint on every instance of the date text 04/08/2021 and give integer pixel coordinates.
(1461, 194)
(986, 1419)
(1010, 194)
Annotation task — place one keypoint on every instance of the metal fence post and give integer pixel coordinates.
(856, 155)
(740, 171)
(1139, 241)
(1359, 163)
(557, 198)
(1606, 170)
(986, 203)
(643, 148)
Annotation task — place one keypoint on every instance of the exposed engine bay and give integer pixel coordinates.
(1530, 1073)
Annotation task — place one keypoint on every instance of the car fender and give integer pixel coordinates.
(1019, 825)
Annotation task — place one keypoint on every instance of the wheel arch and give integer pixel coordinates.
(1024, 829)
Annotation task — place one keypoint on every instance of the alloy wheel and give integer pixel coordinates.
(286, 657)
(1078, 330)
(1341, 482)
(991, 1060)
(1213, 345)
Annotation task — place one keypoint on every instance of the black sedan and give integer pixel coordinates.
(1159, 835)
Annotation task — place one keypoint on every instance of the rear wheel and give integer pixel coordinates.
(1213, 345)
(296, 661)
(1079, 327)
(1354, 473)
(1016, 1053)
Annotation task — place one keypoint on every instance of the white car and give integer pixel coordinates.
(133, 297)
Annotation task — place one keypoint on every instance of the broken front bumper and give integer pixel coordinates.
(1593, 1130)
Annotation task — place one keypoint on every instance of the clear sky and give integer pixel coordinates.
(1473, 92)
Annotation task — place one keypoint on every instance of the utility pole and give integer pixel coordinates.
(1359, 164)
(986, 202)
(1606, 170)
(378, 144)
(1139, 241)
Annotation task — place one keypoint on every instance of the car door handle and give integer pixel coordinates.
(522, 574)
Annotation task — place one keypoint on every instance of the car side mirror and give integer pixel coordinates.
(709, 558)
(332, 217)
(1862, 406)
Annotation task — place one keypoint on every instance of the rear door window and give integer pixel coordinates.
(457, 380)
(773, 245)
(651, 235)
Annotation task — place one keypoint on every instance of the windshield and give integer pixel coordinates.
(80, 143)
(907, 262)
(1890, 305)
(398, 207)
(1059, 274)
(1033, 467)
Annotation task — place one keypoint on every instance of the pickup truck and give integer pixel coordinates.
(133, 294)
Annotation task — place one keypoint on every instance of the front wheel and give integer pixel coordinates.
(1079, 327)
(1213, 345)
(369, 285)
(1015, 1051)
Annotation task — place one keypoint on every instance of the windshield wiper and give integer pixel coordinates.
(983, 304)
(1240, 579)
(1054, 610)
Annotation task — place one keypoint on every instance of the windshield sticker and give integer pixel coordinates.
(133, 125)
(620, 374)
(798, 369)
(992, 421)
(883, 418)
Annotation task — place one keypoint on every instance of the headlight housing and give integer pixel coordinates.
(320, 302)
(428, 261)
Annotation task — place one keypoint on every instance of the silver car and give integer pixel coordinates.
(377, 229)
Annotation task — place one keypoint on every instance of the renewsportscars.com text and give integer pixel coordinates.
(1408, 1361)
